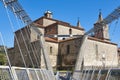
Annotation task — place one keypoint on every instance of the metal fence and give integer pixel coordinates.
(19, 73)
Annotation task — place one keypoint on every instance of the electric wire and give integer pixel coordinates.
(18, 41)
(116, 23)
(12, 27)
(9, 63)
(25, 41)
(109, 70)
(37, 31)
(103, 66)
(79, 60)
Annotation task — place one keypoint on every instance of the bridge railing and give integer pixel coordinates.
(19, 73)
(5, 73)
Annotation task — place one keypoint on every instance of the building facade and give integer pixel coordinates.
(63, 51)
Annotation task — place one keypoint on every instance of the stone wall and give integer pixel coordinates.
(62, 53)
(96, 53)
(52, 29)
(119, 57)
(100, 53)
(25, 51)
(47, 22)
(52, 50)
(11, 54)
(65, 30)
(68, 51)
(21, 41)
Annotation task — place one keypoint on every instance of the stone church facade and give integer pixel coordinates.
(63, 51)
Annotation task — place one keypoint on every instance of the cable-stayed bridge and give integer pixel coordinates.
(35, 73)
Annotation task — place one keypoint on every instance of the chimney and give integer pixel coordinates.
(48, 14)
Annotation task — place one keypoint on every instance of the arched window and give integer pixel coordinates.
(70, 31)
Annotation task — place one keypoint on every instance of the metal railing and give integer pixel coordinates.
(20, 73)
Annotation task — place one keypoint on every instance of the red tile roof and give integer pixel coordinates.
(69, 39)
(60, 23)
(58, 41)
(38, 25)
(51, 40)
(96, 39)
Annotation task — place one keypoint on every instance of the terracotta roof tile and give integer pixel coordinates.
(60, 22)
(38, 25)
(50, 19)
(69, 39)
(96, 39)
(51, 40)
(58, 41)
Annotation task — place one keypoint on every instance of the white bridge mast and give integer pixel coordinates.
(110, 18)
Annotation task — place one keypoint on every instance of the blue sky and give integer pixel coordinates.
(65, 10)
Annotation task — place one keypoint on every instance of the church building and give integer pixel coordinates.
(63, 51)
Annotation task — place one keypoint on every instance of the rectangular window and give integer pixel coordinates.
(51, 50)
(68, 49)
(70, 31)
(97, 55)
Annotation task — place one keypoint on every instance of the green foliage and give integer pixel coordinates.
(2, 58)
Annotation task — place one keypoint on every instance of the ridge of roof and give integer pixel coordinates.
(90, 38)
(51, 40)
(100, 40)
(36, 24)
(59, 22)
(59, 41)
(66, 25)
(41, 26)
(50, 19)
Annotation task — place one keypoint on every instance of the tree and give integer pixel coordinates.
(3, 59)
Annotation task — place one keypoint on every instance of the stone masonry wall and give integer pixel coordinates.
(63, 30)
(102, 54)
(68, 51)
(24, 47)
(52, 50)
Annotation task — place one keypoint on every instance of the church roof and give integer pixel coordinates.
(100, 40)
(60, 23)
(51, 40)
(69, 39)
(58, 41)
(38, 25)
(64, 24)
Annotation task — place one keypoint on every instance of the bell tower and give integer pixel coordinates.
(78, 23)
(101, 31)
